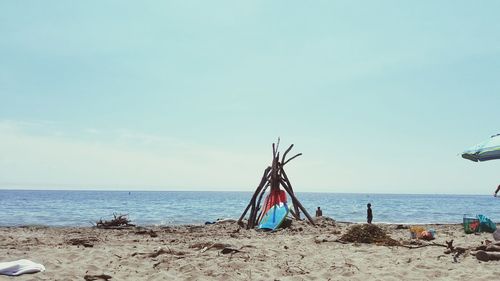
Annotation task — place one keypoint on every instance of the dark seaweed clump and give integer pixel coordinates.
(368, 233)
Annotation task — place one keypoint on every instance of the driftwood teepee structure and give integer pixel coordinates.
(274, 177)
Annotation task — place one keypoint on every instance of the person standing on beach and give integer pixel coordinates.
(496, 191)
(319, 212)
(369, 214)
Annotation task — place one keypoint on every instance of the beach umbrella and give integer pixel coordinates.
(487, 150)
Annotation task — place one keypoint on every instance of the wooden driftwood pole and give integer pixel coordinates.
(251, 220)
(295, 212)
(256, 193)
(296, 201)
(493, 248)
(259, 217)
(487, 256)
(285, 177)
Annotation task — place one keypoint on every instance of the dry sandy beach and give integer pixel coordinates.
(224, 251)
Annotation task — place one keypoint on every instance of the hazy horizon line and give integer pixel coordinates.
(225, 190)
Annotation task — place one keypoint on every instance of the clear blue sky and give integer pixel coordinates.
(379, 96)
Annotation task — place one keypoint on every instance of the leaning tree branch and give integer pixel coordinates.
(291, 159)
(286, 152)
(296, 201)
(256, 193)
(258, 202)
(287, 181)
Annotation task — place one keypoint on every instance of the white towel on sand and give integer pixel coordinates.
(14, 268)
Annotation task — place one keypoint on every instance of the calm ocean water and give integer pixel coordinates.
(80, 208)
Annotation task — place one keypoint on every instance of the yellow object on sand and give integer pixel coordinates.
(416, 231)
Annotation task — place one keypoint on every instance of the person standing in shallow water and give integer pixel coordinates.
(369, 214)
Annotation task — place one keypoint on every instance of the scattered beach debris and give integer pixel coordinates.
(326, 220)
(486, 256)
(87, 242)
(292, 269)
(34, 226)
(149, 232)
(118, 222)
(457, 251)
(350, 264)
(317, 240)
(225, 248)
(194, 228)
(162, 251)
(97, 277)
(368, 233)
(229, 251)
(488, 251)
(485, 252)
(415, 244)
(159, 252)
(203, 247)
(225, 220)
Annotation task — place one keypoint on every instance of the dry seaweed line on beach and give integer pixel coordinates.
(368, 233)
